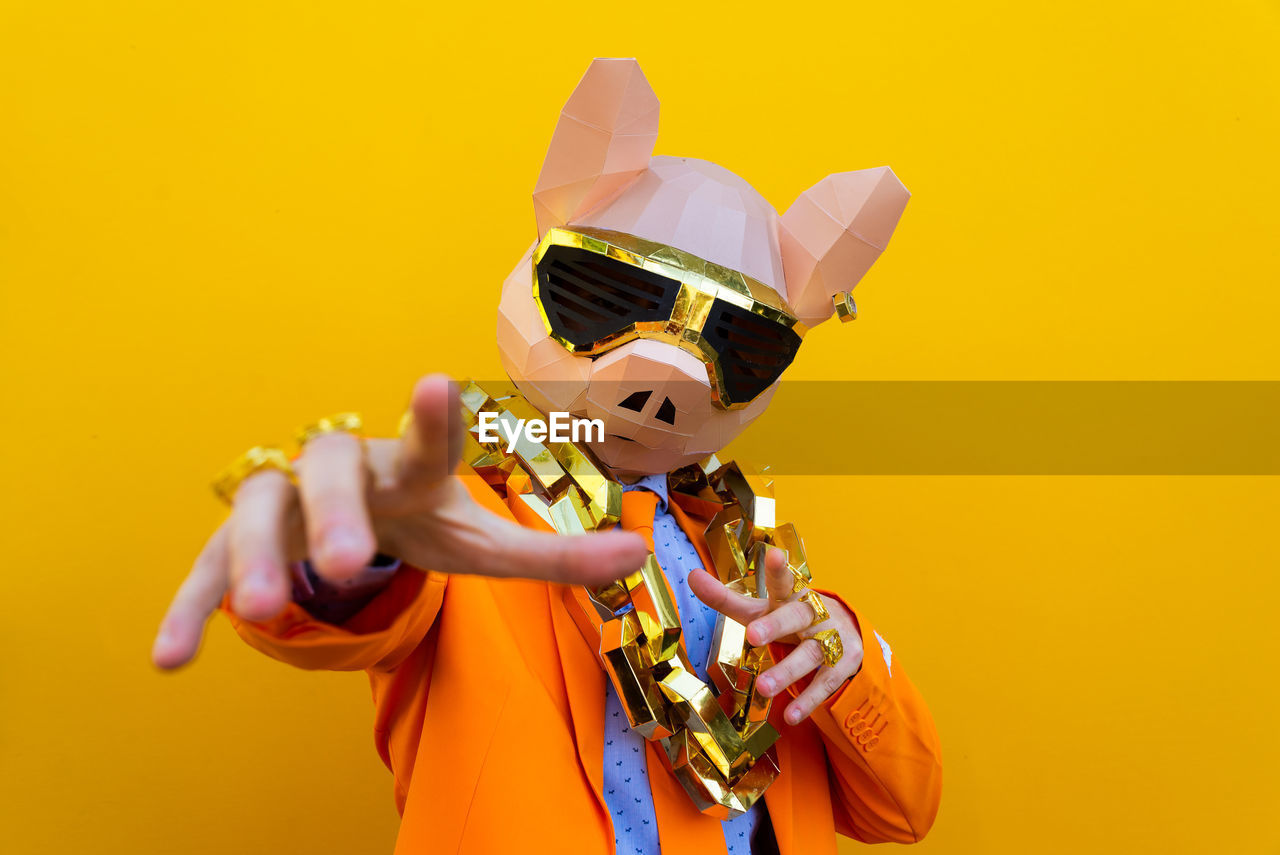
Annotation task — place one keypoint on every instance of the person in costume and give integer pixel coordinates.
(597, 646)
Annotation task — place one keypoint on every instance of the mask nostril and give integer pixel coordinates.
(667, 412)
(635, 401)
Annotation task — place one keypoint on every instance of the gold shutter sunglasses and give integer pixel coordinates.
(598, 289)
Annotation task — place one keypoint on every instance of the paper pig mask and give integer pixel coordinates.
(665, 296)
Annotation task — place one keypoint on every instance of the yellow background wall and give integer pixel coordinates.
(219, 220)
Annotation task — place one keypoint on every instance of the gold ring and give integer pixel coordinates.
(346, 422)
(799, 579)
(254, 460)
(832, 646)
(820, 613)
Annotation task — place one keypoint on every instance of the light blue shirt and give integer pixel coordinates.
(626, 777)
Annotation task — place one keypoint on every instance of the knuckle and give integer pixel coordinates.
(543, 557)
(334, 485)
(831, 680)
(336, 461)
(327, 526)
(341, 498)
(246, 531)
(794, 617)
(561, 554)
(337, 502)
(329, 445)
(259, 486)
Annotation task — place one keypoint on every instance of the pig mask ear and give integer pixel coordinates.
(602, 143)
(833, 233)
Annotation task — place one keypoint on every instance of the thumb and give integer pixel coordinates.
(432, 444)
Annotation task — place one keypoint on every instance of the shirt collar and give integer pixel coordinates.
(656, 484)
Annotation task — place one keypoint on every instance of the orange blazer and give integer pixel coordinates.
(490, 714)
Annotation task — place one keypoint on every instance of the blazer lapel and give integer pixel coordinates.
(583, 676)
(584, 685)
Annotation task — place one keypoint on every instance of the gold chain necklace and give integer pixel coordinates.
(716, 737)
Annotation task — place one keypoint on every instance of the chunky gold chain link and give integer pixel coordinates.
(715, 736)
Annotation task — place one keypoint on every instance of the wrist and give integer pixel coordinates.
(335, 601)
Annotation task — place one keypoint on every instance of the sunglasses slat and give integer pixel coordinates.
(562, 271)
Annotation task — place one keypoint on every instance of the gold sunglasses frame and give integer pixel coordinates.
(701, 284)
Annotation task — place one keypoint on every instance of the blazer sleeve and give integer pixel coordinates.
(378, 637)
(882, 748)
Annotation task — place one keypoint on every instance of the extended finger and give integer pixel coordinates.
(739, 607)
(504, 548)
(823, 685)
(806, 656)
(778, 578)
(331, 485)
(432, 443)
(180, 631)
(787, 619)
(259, 571)
(581, 559)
